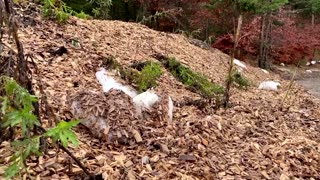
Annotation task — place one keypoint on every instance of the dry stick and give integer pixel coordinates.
(21, 66)
(44, 96)
(48, 108)
(229, 77)
(71, 155)
(165, 46)
(59, 144)
(291, 83)
(21, 73)
(22, 78)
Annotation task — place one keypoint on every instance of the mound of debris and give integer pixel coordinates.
(263, 135)
(113, 115)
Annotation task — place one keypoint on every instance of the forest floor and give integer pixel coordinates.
(263, 135)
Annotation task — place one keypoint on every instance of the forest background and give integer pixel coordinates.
(277, 31)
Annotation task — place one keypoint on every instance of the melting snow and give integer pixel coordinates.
(269, 85)
(239, 63)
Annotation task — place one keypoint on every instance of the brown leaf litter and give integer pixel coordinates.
(259, 137)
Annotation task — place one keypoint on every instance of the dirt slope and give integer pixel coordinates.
(258, 138)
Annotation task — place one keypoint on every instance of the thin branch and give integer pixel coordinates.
(71, 155)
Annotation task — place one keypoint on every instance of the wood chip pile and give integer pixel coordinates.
(259, 137)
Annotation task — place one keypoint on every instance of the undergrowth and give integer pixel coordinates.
(17, 114)
(239, 80)
(144, 77)
(192, 79)
(59, 10)
(148, 76)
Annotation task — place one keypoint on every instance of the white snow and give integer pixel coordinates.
(144, 101)
(269, 85)
(141, 101)
(108, 83)
(239, 63)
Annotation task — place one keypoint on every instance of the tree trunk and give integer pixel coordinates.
(268, 41)
(265, 41)
(261, 47)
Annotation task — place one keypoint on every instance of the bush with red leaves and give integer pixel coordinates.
(290, 43)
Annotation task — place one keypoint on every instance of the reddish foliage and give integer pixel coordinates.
(248, 40)
(290, 43)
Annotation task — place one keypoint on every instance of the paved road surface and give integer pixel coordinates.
(312, 84)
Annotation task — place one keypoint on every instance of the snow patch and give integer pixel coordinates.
(108, 83)
(144, 101)
(269, 85)
(239, 63)
(141, 101)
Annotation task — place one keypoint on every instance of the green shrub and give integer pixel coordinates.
(102, 8)
(148, 76)
(81, 15)
(142, 75)
(239, 80)
(193, 80)
(17, 112)
(59, 10)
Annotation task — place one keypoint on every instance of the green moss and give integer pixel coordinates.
(192, 79)
(148, 76)
(81, 15)
(62, 16)
(240, 80)
(143, 75)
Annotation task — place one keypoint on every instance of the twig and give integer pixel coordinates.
(44, 97)
(165, 46)
(21, 76)
(71, 155)
(291, 83)
(21, 65)
(49, 109)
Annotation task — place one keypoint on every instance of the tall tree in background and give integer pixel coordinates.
(265, 8)
(240, 7)
(309, 7)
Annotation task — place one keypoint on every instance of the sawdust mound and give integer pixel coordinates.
(110, 116)
(259, 137)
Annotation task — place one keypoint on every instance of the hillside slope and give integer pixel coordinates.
(259, 137)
